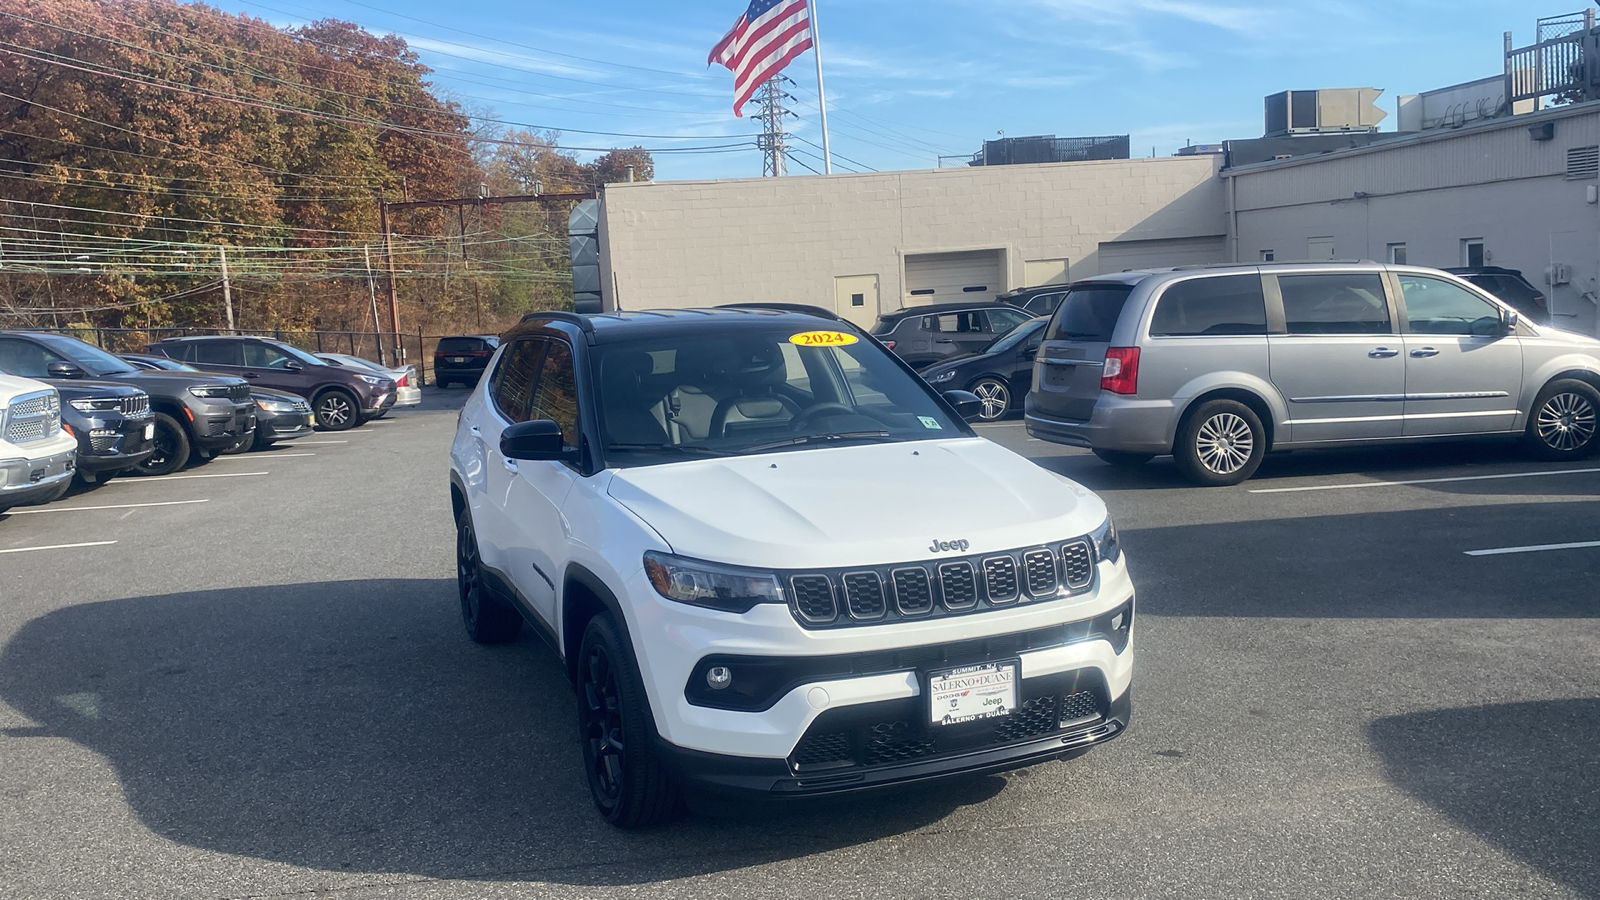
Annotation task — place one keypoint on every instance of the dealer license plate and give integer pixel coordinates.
(150, 431)
(970, 693)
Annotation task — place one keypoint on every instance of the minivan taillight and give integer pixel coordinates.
(1121, 372)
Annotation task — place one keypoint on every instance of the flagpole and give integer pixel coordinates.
(822, 98)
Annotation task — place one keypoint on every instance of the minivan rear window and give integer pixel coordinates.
(1224, 305)
(1089, 313)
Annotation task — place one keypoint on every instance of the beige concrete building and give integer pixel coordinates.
(1518, 192)
(881, 241)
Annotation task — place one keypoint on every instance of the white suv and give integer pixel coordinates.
(36, 455)
(776, 563)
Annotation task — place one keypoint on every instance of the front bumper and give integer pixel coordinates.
(115, 443)
(217, 426)
(1117, 423)
(379, 402)
(274, 427)
(30, 481)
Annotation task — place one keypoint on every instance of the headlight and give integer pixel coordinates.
(373, 379)
(212, 391)
(1105, 542)
(712, 586)
(109, 405)
(275, 406)
(942, 376)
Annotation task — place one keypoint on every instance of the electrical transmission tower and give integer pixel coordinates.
(774, 147)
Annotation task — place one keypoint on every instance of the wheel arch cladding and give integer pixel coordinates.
(583, 596)
(1592, 379)
(1254, 401)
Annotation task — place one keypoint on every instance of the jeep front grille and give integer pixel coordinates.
(863, 595)
(136, 407)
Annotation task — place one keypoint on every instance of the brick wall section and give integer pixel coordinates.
(701, 243)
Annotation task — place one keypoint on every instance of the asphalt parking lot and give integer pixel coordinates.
(250, 680)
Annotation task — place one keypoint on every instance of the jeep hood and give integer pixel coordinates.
(859, 505)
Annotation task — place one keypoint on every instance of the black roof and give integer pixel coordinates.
(631, 324)
(1482, 270)
(1031, 292)
(937, 308)
(213, 337)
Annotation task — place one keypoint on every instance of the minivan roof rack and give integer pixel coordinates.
(561, 315)
(1273, 262)
(803, 308)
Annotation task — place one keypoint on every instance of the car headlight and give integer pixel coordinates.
(372, 379)
(111, 404)
(707, 584)
(212, 391)
(941, 376)
(275, 406)
(1105, 542)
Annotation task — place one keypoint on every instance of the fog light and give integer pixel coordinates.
(103, 432)
(1116, 623)
(719, 677)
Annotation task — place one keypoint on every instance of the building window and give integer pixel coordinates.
(1472, 252)
(1397, 254)
(1269, 255)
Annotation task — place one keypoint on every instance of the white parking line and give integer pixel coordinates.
(185, 477)
(53, 509)
(1374, 484)
(261, 457)
(317, 443)
(1536, 548)
(58, 547)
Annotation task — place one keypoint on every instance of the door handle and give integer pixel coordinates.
(476, 431)
(510, 464)
(1424, 353)
(250, 375)
(1382, 352)
(944, 341)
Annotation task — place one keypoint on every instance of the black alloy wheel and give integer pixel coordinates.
(487, 619)
(171, 445)
(1565, 420)
(630, 787)
(996, 397)
(337, 410)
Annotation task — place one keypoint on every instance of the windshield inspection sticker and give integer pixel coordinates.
(929, 422)
(822, 339)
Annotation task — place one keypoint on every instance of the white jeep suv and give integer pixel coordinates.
(776, 563)
(36, 455)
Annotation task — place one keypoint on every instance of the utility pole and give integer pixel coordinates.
(227, 288)
(772, 141)
(372, 294)
(388, 265)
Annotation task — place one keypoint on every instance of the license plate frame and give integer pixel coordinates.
(979, 692)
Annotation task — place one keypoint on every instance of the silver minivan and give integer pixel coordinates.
(1217, 365)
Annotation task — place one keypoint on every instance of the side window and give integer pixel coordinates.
(512, 388)
(25, 359)
(183, 352)
(1335, 304)
(1044, 304)
(1032, 341)
(1231, 304)
(1003, 320)
(217, 353)
(555, 396)
(265, 356)
(1439, 307)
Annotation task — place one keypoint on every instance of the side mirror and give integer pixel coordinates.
(63, 370)
(294, 365)
(539, 439)
(1030, 353)
(967, 404)
(1509, 319)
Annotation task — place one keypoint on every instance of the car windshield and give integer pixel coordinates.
(1015, 336)
(756, 391)
(297, 353)
(90, 358)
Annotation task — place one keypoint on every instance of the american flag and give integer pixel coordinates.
(761, 43)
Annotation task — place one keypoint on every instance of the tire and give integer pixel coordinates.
(1221, 442)
(487, 618)
(172, 448)
(336, 410)
(1563, 422)
(1124, 459)
(443, 384)
(996, 397)
(630, 786)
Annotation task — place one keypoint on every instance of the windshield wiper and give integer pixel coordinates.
(818, 439)
(684, 449)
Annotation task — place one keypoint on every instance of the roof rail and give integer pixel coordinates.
(802, 308)
(1268, 263)
(561, 315)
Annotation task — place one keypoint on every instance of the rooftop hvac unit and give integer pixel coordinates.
(1323, 111)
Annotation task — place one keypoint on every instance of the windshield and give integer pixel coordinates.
(297, 353)
(1089, 312)
(756, 391)
(90, 358)
(1016, 335)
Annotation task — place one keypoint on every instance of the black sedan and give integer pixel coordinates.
(1000, 374)
(280, 416)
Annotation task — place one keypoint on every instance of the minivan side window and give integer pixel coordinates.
(1089, 313)
(1434, 306)
(1350, 303)
(1231, 304)
(555, 396)
(512, 389)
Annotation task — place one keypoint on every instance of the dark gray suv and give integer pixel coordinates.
(922, 335)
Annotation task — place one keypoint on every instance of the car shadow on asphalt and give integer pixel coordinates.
(1519, 775)
(352, 727)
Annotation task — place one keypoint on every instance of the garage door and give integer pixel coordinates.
(1120, 256)
(953, 277)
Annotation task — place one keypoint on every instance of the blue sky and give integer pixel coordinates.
(907, 81)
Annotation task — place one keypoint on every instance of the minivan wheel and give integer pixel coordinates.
(1564, 420)
(337, 410)
(1124, 458)
(171, 448)
(1221, 443)
(488, 619)
(996, 397)
(630, 786)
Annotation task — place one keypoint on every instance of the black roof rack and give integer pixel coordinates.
(803, 308)
(561, 315)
